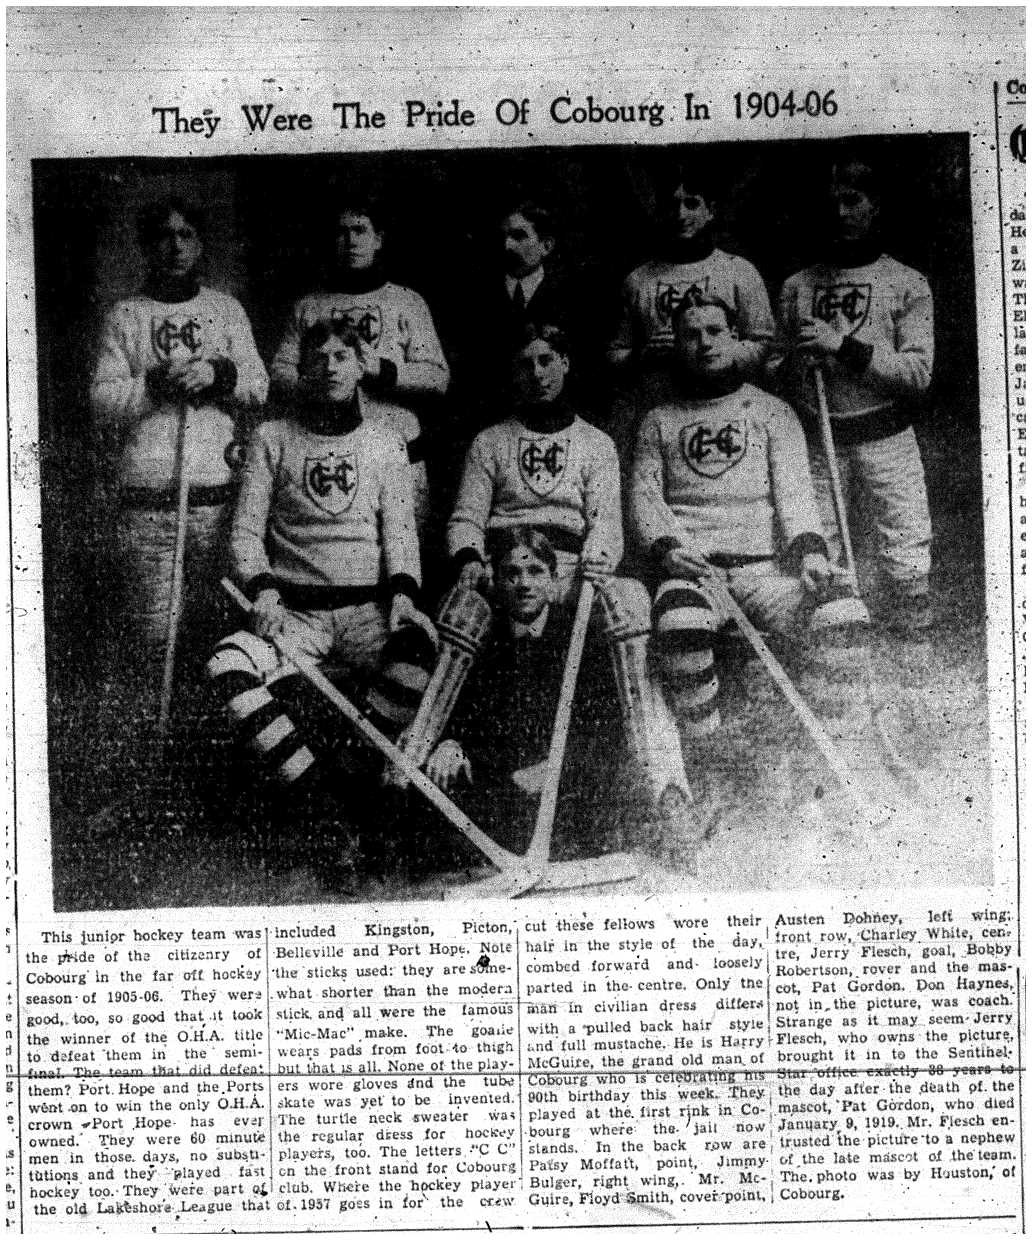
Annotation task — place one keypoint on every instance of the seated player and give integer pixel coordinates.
(501, 729)
(324, 544)
(721, 487)
(499, 736)
(689, 266)
(402, 365)
(545, 468)
(542, 466)
(866, 319)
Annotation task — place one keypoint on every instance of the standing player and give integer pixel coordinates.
(324, 544)
(544, 468)
(867, 321)
(177, 350)
(721, 487)
(689, 267)
(403, 366)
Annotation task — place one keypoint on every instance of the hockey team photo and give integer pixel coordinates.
(598, 519)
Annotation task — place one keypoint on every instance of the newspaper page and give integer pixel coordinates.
(516, 595)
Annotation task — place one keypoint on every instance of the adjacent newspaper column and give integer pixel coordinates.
(408, 884)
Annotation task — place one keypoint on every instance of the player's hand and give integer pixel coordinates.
(531, 779)
(819, 338)
(192, 377)
(447, 765)
(268, 615)
(475, 576)
(816, 572)
(368, 359)
(404, 611)
(679, 562)
(595, 567)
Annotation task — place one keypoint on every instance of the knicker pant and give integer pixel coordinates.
(891, 478)
(293, 731)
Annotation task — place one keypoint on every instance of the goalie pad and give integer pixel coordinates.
(463, 622)
(651, 731)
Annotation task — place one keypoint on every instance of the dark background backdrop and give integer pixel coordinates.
(268, 243)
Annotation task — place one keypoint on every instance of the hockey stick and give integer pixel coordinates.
(896, 760)
(831, 458)
(541, 840)
(175, 601)
(519, 875)
(817, 733)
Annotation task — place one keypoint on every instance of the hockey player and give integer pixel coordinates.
(403, 366)
(324, 543)
(546, 469)
(721, 488)
(543, 466)
(177, 350)
(866, 320)
(493, 759)
(690, 266)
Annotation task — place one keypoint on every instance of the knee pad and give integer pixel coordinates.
(406, 662)
(839, 629)
(261, 719)
(685, 626)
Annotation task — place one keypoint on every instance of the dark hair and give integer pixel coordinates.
(551, 334)
(536, 214)
(151, 219)
(706, 300)
(858, 175)
(358, 204)
(694, 176)
(317, 335)
(505, 541)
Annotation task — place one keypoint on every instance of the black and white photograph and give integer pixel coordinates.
(535, 518)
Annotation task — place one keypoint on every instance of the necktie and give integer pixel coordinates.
(519, 302)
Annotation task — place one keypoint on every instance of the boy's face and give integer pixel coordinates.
(358, 242)
(176, 249)
(852, 212)
(539, 372)
(525, 250)
(525, 584)
(703, 341)
(690, 213)
(331, 371)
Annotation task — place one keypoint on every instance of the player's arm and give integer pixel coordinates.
(603, 511)
(778, 365)
(755, 321)
(467, 527)
(249, 383)
(653, 521)
(283, 373)
(903, 366)
(794, 500)
(399, 544)
(621, 352)
(423, 369)
(117, 395)
(248, 557)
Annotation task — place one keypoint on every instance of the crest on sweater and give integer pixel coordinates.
(543, 462)
(844, 305)
(670, 296)
(367, 321)
(331, 481)
(712, 448)
(175, 333)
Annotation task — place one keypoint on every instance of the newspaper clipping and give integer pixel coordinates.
(517, 609)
